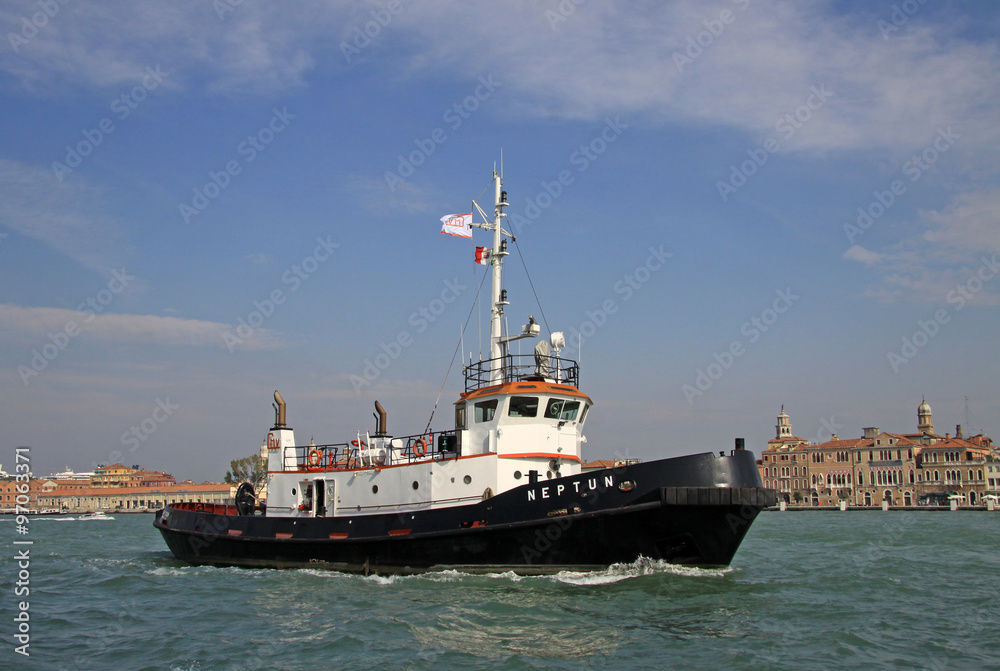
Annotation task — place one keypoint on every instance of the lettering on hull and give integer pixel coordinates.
(577, 487)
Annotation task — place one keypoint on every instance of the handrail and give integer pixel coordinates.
(521, 368)
(348, 456)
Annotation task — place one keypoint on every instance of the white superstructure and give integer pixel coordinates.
(519, 421)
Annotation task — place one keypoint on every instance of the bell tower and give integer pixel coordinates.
(784, 426)
(924, 422)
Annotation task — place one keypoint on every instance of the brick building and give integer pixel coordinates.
(119, 475)
(135, 498)
(921, 468)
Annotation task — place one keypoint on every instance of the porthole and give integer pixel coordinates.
(416, 485)
(517, 475)
(374, 489)
(293, 491)
(548, 474)
(467, 479)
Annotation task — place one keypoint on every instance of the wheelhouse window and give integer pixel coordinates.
(554, 408)
(485, 410)
(563, 409)
(570, 409)
(460, 416)
(583, 415)
(523, 406)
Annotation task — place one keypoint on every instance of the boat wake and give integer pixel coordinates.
(613, 574)
(643, 566)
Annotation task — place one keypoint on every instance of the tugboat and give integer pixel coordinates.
(501, 491)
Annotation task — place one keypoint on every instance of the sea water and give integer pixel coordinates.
(807, 590)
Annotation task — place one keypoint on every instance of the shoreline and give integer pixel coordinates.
(789, 509)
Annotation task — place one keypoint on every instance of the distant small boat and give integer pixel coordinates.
(95, 515)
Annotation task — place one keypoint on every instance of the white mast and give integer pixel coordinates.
(496, 258)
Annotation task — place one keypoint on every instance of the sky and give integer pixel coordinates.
(728, 207)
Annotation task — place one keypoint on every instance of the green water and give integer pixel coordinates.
(818, 590)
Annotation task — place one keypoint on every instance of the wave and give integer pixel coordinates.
(610, 575)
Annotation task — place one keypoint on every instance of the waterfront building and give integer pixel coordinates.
(119, 475)
(955, 467)
(9, 493)
(599, 464)
(921, 468)
(135, 498)
(993, 477)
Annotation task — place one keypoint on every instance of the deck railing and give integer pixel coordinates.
(398, 450)
(522, 368)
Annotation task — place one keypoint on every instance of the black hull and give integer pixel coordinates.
(689, 510)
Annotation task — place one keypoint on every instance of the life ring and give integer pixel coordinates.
(315, 458)
(420, 447)
(358, 443)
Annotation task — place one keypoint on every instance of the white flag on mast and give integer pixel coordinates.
(459, 225)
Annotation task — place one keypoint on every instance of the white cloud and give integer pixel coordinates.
(862, 255)
(606, 58)
(121, 328)
(109, 44)
(258, 259)
(66, 216)
(620, 59)
(969, 224)
(375, 194)
(957, 242)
